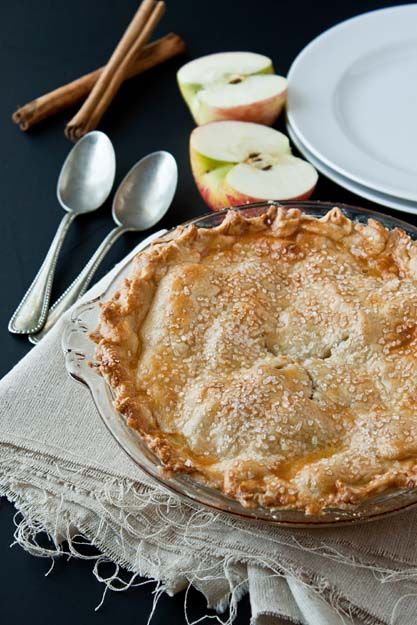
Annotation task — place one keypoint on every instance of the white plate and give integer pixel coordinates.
(361, 190)
(352, 99)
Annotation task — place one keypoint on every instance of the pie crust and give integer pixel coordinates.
(272, 357)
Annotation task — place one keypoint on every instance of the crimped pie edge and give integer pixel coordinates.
(122, 316)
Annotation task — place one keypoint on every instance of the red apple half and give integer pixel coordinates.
(239, 162)
(232, 85)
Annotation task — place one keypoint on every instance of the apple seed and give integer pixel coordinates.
(236, 79)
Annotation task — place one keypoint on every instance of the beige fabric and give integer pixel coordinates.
(68, 476)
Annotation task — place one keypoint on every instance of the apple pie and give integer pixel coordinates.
(272, 357)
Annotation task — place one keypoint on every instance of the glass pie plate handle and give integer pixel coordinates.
(80, 363)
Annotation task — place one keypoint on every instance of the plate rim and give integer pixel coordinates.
(351, 185)
(408, 195)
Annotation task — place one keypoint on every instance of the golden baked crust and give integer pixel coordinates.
(272, 357)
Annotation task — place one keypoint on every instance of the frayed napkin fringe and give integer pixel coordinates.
(68, 533)
(37, 535)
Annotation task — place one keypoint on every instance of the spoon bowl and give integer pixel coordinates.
(87, 174)
(84, 183)
(142, 199)
(146, 192)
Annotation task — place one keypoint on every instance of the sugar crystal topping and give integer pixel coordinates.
(287, 361)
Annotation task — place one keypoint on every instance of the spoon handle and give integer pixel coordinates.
(31, 313)
(80, 284)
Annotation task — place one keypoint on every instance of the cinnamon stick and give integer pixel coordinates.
(103, 92)
(67, 95)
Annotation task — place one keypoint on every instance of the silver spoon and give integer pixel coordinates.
(84, 184)
(141, 200)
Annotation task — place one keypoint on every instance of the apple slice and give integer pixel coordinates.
(232, 85)
(239, 162)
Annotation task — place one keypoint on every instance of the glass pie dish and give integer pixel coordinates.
(79, 352)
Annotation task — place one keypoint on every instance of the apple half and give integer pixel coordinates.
(232, 85)
(239, 162)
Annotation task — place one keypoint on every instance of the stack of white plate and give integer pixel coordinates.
(352, 105)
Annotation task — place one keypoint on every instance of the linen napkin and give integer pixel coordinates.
(68, 477)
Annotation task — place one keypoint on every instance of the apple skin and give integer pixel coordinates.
(262, 112)
(231, 197)
(211, 185)
(214, 189)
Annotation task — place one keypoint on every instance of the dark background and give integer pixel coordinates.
(45, 43)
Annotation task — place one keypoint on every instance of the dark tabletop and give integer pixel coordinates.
(45, 43)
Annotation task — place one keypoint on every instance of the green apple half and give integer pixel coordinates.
(239, 162)
(232, 85)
